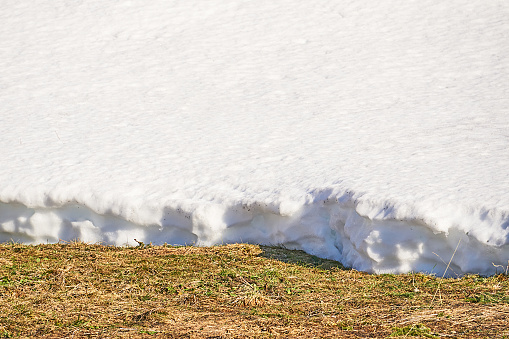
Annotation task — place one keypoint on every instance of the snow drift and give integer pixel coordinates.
(373, 134)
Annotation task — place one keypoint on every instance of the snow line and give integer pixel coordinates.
(328, 229)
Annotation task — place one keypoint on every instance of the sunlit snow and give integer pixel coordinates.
(371, 132)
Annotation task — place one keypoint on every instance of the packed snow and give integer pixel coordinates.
(373, 133)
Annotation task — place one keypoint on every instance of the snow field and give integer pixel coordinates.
(374, 134)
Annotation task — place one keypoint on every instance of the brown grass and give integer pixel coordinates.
(234, 291)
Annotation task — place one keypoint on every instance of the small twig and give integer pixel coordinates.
(58, 137)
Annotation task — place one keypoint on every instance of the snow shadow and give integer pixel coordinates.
(299, 257)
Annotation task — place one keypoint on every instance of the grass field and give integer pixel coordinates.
(77, 290)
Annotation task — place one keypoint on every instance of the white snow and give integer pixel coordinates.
(374, 133)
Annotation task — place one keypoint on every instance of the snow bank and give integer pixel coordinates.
(340, 230)
(374, 134)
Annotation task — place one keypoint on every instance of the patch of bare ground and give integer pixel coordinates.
(77, 290)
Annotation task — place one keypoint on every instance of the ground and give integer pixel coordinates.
(77, 290)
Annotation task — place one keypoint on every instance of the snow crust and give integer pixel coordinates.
(371, 133)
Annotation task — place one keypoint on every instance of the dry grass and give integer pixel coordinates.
(234, 291)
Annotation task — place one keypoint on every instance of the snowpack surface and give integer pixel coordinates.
(374, 133)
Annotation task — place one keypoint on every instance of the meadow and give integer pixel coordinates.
(78, 290)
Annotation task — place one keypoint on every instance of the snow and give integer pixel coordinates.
(371, 133)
